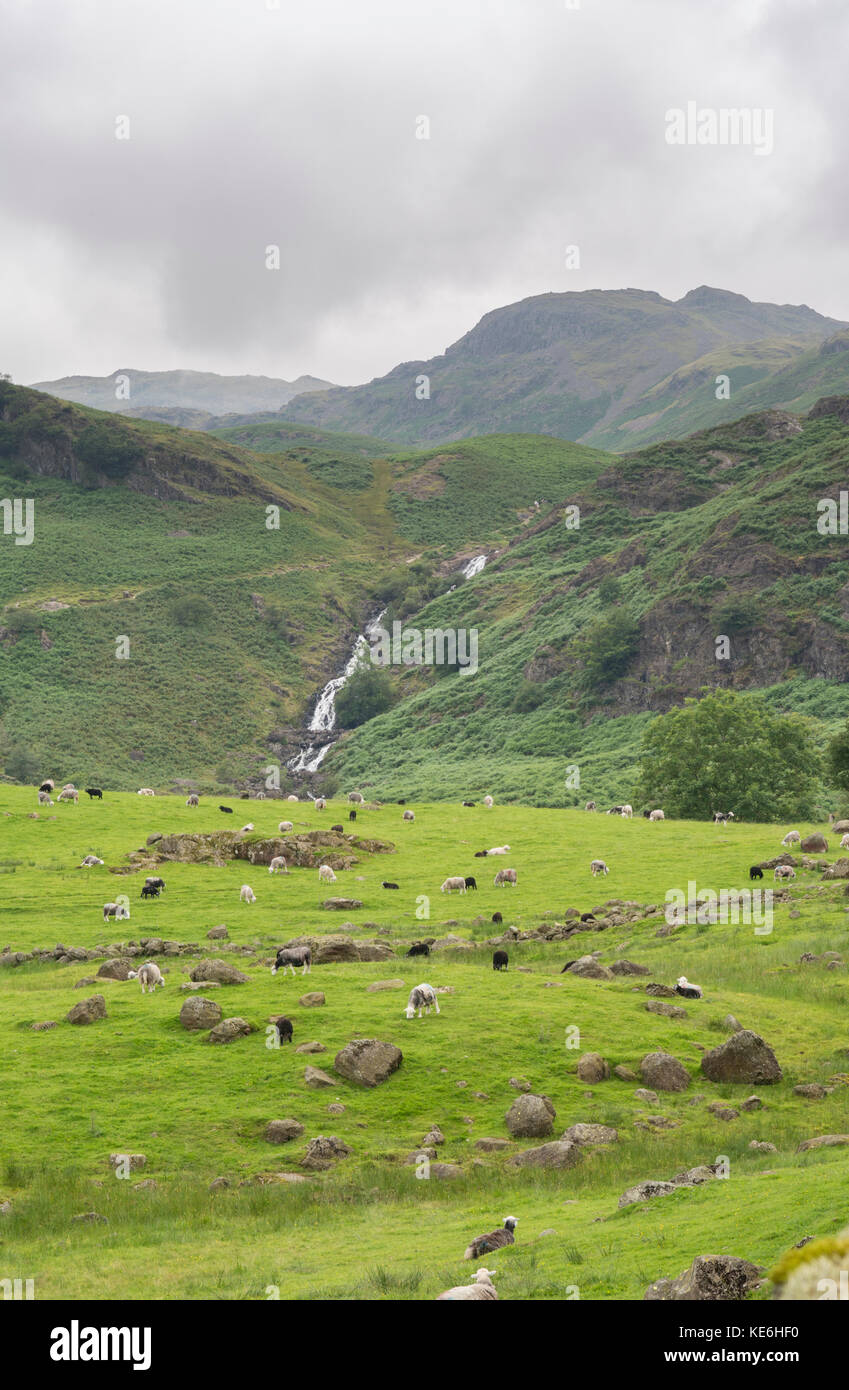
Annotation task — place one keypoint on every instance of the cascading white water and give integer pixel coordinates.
(473, 567)
(324, 715)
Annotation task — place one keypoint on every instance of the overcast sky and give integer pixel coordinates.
(252, 125)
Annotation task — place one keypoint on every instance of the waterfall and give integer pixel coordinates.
(473, 567)
(323, 719)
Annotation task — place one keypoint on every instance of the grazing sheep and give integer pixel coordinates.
(278, 865)
(149, 890)
(247, 894)
(408, 815)
(597, 867)
(326, 874)
(792, 838)
(115, 910)
(472, 883)
(156, 881)
(590, 806)
(90, 861)
(338, 829)
(481, 853)
(505, 876)
(453, 885)
(469, 803)
(499, 849)
(481, 1288)
(44, 799)
(290, 956)
(494, 1240)
(352, 815)
(94, 793)
(488, 801)
(356, 796)
(497, 918)
(247, 828)
(421, 997)
(688, 991)
(149, 976)
(656, 815)
(616, 811)
(723, 817)
(146, 791)
(290, 797)
(844, 843)
(500, 960)
(284, 826)
(587, 917)
(228, 810)
(320, 804)
(419, 948)
(193, 800)
(784, 871)
(627, 812)
(69, 794)
(756, 871)
(285, 1029)
(388, 885)
(47, 786)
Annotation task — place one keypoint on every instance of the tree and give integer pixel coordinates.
(606, 648)
(22, 764)
(837, 758)
(191, 611)
(730, 752)
(366, 693)
(104, 449)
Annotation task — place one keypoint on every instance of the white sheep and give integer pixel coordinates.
(247, 894)
(326, 874)
(245, 828)
(408, 815)
(285, 825)
(44, 799)
(597, 867)
(481, 1289)
(146, 791)
(689, 991)
(193, 800)
(320, 804)
(499, 849)
(90, 861)
(844, 843)
(149, 976)
(505, 876)
(784, 871)
(453, 885)
(656, 815)
(278, 865)
(792, 838)
(488, 801)
(291, 798)
(422, 997)
(627, 812)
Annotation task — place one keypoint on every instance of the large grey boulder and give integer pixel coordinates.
(229, 1029)
(323, 1151)
(661, 1072)
(199, 1013)
(592, 1068)
(283, 1131)
(117, 969)
(561, 1153)
(530, 1117)
(591, 1134)
(219, 970)
(644, 1191)
(368, 1061)
(744, 1058)
(88, 1010)
(710, 1278)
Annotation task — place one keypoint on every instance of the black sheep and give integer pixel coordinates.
(285, 1030)
(228, 810)
(419, 948)
(756, 871)
(566, 966)
(496, 917)
(352, 815)
(93, 792)
(468, 803)
(389, 885)
(471, 883)
(499, 960)
(150, 890)
(340, 829)
(481, 853)
(587, 917)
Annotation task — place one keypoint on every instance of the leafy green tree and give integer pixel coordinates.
(366, 693)
(22, 764)
(609, 590)
(729, 752)
(528, 697)
(606, 648)
(104, 449)
(191, 611)
(837, 759)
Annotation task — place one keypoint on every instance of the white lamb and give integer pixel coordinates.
(247, 894)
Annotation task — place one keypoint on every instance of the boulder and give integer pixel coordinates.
(823, 1141)
(367, 1061)
(590, 969)
(629, 967)
(311, 1047)
(198, 1012)
(811, 1090)
(752, 1103)
(283, 1131)
(561, 1153)
(661, 1072)
(592, 1068)
(44, 1027)
(323, 1151)
(710, 1278)
(661, 991)
(530, 1117)
(445, 1170)
(217, 934)
(650, 1097)
(133, 1162)
(839, 869)
(591, 1134)
(731, 1023)
(624, 1073)
(840, 827)
(341, 904)
(644, 1191)
(814, 844)
(115, 969)
(221, 971)
(744, 1058)
(229, 1029)
(657, 1006)
(317, 1080)
(313, 1000)
(377, 985)
(492, 1146)
(87, 1010)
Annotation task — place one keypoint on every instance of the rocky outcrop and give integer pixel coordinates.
(530, 1117)
(745, 1059)
(367, 1061)
(712, 1278)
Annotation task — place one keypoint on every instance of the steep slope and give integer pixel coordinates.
(205, 392)
(677, 545)
(574, 365)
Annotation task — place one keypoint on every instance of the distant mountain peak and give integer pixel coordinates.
(708, 295)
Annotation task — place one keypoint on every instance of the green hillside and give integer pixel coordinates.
(354, 1231)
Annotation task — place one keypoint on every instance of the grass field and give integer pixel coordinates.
(137, 1082)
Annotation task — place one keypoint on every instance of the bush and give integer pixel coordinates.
(366, 693)
(736, 615)
(22, 764)
(191, 611)
(606, 648)
(103, 448)
(528, 697)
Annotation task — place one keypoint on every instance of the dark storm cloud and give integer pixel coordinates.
(252, 126)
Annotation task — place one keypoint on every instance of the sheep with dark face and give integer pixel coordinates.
(193, 800)
(756, 871)
(228, 810)
(94, 793)
(480, 1290)
(149, 890)
(500, 960)
(419, 948)
(290, 956)
(497, 918)
(154, 881)
(48, 785)
(422, 997)
(352, 815)
(408, 815)
(686, 990)
(597, 867)
(472, 883)
(285, 1029)
(494, 1240)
